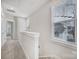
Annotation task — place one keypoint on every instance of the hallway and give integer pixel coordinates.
(12, 50)
(41, 29)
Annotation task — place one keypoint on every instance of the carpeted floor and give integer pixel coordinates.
(12, 50)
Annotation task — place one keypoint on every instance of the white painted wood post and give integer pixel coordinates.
(30, 42)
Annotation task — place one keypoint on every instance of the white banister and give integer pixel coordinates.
(30, 42)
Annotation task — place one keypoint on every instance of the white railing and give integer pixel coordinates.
(30, 42)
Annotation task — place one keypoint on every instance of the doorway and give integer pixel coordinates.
(10, 29)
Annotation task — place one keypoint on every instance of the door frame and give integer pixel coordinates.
(13, 29)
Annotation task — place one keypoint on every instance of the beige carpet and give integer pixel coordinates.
(12, 50)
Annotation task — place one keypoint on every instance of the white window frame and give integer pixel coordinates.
(60, 41)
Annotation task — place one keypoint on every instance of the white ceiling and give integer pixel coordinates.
(25, 7)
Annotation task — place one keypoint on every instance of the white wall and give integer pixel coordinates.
(4, 18)
(40, 22)
(22, 25)
(3, 30)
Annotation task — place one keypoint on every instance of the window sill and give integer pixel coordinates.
(64, 43)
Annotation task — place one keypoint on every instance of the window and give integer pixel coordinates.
(64, 18)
